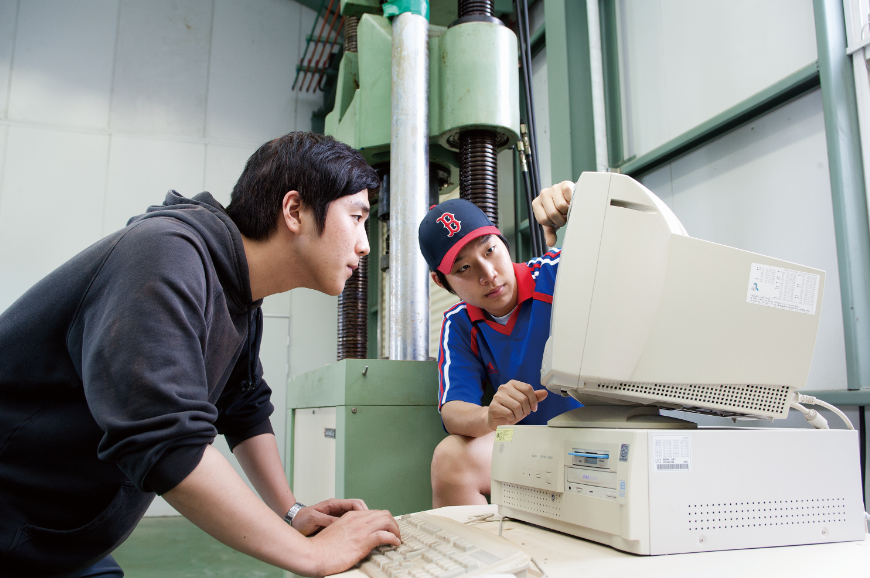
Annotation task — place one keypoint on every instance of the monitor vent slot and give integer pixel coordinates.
(764, 400)
(532, 500)
(770, 513)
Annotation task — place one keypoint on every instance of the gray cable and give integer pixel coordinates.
(540, 568)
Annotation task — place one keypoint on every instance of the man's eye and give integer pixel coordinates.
(358, 218)
(461, 269)
(490, 250)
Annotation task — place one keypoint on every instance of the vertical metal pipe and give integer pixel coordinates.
(409, 187)
(847, 187)
(596, 73)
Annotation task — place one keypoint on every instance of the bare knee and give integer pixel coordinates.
(450, 462)
(460, 471)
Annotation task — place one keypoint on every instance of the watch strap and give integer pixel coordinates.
(291, 513)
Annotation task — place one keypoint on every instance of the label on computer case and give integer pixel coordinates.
(783, 288)
(671, 453)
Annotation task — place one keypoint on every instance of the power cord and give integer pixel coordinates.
(540, 568)
(813, 416)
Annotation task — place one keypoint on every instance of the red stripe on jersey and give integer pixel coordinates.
(543, 297)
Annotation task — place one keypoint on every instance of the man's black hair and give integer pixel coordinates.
(443, 278)
(319, 167)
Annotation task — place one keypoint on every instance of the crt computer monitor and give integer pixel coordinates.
(646, 317)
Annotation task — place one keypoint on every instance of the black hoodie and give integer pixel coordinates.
(116, 371)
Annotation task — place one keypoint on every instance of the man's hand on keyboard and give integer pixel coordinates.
(350, 538)
(312, 519)
(512, 402)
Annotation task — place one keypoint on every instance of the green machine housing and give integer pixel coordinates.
(473, 84)
(364, 428)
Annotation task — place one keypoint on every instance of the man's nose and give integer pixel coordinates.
(362, 245)
(487, 273)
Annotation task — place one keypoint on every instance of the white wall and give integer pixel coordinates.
(684, 61)
(107, 104)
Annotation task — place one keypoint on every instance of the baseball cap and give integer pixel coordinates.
(447, 228)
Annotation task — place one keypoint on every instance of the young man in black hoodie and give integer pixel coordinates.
(120, 367)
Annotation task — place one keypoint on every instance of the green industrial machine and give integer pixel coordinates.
(364, 428)
(473, 84)
(367, 428)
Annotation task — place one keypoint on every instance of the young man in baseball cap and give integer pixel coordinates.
(495, 335)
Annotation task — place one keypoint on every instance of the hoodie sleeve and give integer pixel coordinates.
(244, 406)
(144, 333)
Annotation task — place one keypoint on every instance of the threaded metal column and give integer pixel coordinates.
(478, 171)
(350, 25)
(353, 303)
(475, 7)
(478, 162)
(353, 314)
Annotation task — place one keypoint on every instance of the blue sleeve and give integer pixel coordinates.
(544, 270)
(461, 375)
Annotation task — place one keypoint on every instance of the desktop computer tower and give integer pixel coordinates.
(660, 491)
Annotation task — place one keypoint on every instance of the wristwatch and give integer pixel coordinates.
(291, 513)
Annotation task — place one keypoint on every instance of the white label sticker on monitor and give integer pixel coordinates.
(783, 288)
(671, 453)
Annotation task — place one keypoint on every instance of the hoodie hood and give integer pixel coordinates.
(222, 237)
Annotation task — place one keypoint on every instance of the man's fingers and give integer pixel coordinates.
(500, 412)
(384, 537)
(567, 188)
(513, 407)
(322, 519)
(514, 400)
(555, 216)
(522, 398)
(550, 236)
(526, 390)
(337, 507)
(541, 394)
(541, 213)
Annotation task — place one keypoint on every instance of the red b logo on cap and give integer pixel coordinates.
(450, 223)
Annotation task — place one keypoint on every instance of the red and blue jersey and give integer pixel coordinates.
(476, 351)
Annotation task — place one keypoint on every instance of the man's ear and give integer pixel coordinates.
(436, 279)
(291, 211)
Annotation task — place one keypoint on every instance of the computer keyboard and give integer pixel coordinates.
(436, 547)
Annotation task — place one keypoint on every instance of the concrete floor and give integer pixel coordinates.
(173, 547)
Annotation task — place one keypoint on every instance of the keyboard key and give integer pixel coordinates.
(372, 571)
(380, 560)
(462, 544)
(432, 555)
(468, 562)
